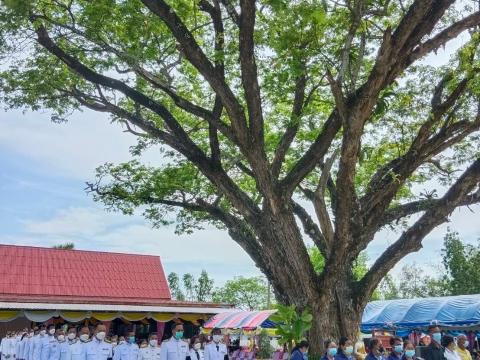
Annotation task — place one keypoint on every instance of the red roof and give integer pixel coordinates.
(37, 274)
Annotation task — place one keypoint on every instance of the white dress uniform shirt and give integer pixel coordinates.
(98, 350)
(37, 347)
(62, 351)
(127, 351)
(196, 354)
(7, 348)
(150, 353)
(76, 350)
(215, 351)
(49, 347)
(174, 349)
(19, 345)
(26, 347)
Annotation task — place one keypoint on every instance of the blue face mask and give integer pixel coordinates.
(410, 353)
(131, 339)
(332, 352)
(398, 349)
(437, 337)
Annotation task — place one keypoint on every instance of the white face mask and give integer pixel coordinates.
(61, 338)
(121, 342)
(71, 336)
(51, 331)
(43, 332)
(217, 338)
(100, 335)
(30, 335)
(197, 346)
(153, 342)
(84, 337)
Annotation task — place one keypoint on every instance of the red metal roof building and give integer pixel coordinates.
(40, 283)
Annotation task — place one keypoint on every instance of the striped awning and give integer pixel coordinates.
(240, 320)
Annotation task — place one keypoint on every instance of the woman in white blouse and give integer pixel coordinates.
(196, 351)
(448, 342)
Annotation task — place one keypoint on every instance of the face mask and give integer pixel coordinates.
(84, 337)
(43, 332)
(217, 338)
(131, 339)
(100, 335)
(51, 331)
(437, 337)
(466, 343)
(409, 353)
(197, 346)
(71, 336)
(398, 349)
(61, 338)
(349, 350)
(30, 335)
(153, 342)
(332, 352)
(179, 335)
(121, 342)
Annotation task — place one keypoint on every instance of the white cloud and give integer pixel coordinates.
(90, 228)
(73, 149)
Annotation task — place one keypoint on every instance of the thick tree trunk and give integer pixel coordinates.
(294, 281)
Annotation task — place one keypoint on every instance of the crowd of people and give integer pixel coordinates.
(47, 342)
(50, 343)
(440, 347)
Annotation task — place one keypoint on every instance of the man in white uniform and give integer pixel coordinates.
(129, 350)
(98, 348)
(152, 351)
(7, 347)
(37, 343)
(216, 350)
(76, 350)
(174, 348)
(62, 348)
(48, 344)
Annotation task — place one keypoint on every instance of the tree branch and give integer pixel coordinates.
(199, 60)
(184, 144)
(401, 211)
(292, 128)
(249, 73)
(311, 229)
(411, 240)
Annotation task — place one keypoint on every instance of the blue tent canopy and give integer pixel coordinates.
(453, 311)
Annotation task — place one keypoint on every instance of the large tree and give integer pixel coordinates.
(261, 107)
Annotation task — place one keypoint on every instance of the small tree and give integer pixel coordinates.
(292, 326)
(244, 293)
(66, 246)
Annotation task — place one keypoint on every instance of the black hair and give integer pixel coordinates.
(327, 343)
(343, 341)
(192, 341)
(372, 343)
(447, 340)
(302, 344)
(50, 326)
(395, 338)
(174, 325)
(431, 327)
(216, 330)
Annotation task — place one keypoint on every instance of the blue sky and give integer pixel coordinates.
(43, 169)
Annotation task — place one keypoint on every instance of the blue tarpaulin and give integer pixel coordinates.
(454, 311)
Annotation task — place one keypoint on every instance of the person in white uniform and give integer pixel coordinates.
(48, 344)
(216, 350)
(62, 348)
(196, 351)
(28, 341)
(76, 349)
(128, 350)
(175, 348)
(37, 343)
(8, 347)
(152, 351)
(98, 348)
